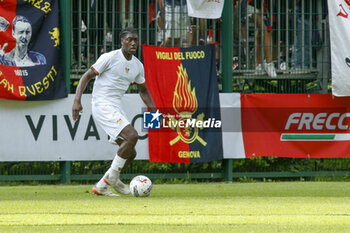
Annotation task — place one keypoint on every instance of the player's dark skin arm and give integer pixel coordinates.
(77, 107)
(161, 8)
(146, 96)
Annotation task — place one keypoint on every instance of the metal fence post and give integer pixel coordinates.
(323, 58)
(65, 11)
(227, 54)
(65, 172)
(227, 46)
(227, 169)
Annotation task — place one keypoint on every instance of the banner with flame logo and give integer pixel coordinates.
(29, 50)
(184, 88)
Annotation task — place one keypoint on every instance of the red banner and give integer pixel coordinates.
(295, 125)
(183, 85)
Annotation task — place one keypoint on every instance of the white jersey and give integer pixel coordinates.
(115, 74)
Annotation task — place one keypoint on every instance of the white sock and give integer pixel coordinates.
(113, 171)
(118, 163)
(112, 174)
(101, 183)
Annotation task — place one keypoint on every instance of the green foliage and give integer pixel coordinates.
(281, 164)
(29, 168)
(250, 165)
(148, 167)
(257, 164)
(246, 180)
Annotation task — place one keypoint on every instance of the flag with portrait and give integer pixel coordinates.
(183, 85)
(29, 50)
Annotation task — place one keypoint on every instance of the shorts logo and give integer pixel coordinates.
(119, 121)
(151, 120)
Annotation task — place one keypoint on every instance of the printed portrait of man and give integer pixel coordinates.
(21, 56)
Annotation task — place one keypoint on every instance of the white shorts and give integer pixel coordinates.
(111, 119)
(178, 25)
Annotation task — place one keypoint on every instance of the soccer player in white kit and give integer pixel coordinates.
(114, 72)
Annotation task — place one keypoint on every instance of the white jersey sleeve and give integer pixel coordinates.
(140, 78)
(102, 63)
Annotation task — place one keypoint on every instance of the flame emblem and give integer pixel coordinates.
(185, 104)
(185, 100)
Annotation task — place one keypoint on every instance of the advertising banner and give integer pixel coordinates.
(282, 125)
(295, 125)
(45, 131)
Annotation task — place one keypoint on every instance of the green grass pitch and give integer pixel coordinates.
(204, 207)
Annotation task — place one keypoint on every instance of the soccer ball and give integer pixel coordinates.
(141, 186)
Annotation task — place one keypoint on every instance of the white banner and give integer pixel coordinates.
(232, 139)
(45, 131)
(207, 9)
(339, 26)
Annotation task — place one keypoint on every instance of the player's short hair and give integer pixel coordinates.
(19, 18)
(126, 31)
